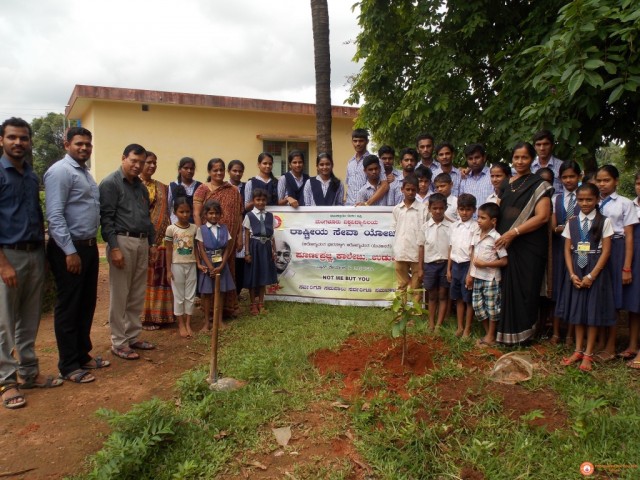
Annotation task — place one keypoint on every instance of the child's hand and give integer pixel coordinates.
(449, 276)
(216, 271)
(420, 274)
(626, 278)
(575, 280)
(468, 282)
(247, 258)
(169, 276)
(202, 268)
(479, 263)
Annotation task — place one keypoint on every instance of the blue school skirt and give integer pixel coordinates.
(631, 293)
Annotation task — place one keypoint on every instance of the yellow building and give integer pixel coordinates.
(176, 125)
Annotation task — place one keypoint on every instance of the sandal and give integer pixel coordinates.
(150, 326)
(604, 356)
(634, 364)
(125, 353)
(96, 363)
(627, 354)
(575, 357)
(79, 376)
(49, 382)
(587, 360)
(15, 401)
(142, 345)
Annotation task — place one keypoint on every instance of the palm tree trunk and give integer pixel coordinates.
(321, 51)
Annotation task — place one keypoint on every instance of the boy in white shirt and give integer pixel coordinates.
(408, 218)
(443, 184)
(484, 273)
(433, 244)
(462, 233)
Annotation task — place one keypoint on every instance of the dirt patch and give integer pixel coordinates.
(516, 401)
(58, 428)
(309, 452)
(362, 361)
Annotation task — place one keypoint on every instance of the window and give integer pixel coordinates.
(280, 150)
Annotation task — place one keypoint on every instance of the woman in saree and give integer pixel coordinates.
(525, 208)
(228, 196)
(158, 302)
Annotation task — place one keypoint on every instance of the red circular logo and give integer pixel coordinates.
(587, 469)
(277, 221)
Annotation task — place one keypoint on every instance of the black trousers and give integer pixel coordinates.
(75, 305)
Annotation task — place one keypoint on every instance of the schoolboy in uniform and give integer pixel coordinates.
(484, 272)
(424, 184)
(371, 166)
(444, 185)
(462, 233)
(408, 218)
(433, 244)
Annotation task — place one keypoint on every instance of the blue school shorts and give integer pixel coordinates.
(435, 275)
(458, 289)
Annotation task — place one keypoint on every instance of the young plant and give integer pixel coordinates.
(405, 313)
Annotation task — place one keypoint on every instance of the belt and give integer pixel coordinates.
(617, 236)
(437, 262)
(133, 234)
(26, 246)
(587, 252)
(89, 242)
(261, 239)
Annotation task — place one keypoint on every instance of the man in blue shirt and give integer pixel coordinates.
(21, 265)
(73, 213)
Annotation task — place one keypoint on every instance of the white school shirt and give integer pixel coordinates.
(461, 238)
(620, 211)
(435, 239)
(282, 184)
(493, 198)
(565, 200)
(607, 229)
(309, 201)
(452, 208)
(422, 199)
(248, 189)
(407, 222)
(214, 229)
(636, 203)
(366, 192)
(484, 248)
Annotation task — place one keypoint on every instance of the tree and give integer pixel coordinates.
(588, 74)
(469, 71)
(321, 51)
(48, 141)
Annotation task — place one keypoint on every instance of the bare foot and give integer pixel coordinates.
(189, 331)
(568, 342)
(554, 340)
(466, 334)
(459, 332)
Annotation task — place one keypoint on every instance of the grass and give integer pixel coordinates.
(204, 434)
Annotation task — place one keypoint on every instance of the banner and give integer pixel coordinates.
(335, 255)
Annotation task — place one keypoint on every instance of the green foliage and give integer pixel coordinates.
(404, 312)
(496, 71)
(587, 75)
(48, 141)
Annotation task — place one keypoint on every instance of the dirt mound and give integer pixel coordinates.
(360, 358)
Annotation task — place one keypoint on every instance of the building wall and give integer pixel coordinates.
(173, 132)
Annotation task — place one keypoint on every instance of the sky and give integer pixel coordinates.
(239, 48)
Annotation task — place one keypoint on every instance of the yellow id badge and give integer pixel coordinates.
(217, 256)
(584, 246)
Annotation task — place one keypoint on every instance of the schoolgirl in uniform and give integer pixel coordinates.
(621, 212)
(264, 180)
(565, 207)
(325, 189)
(587, 299)
(214, 247)
(260, 256)
(291, 184)
(632, 293)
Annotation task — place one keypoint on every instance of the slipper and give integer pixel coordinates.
(634, 364)
(142, 345)
(627, 354)
(604, 356)
(96, 363)
(482, 343)
(151, 327)
(49, 382)
(79, 376)
(6, 402)
(125, 353)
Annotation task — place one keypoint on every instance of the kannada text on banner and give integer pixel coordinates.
(336, 255)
